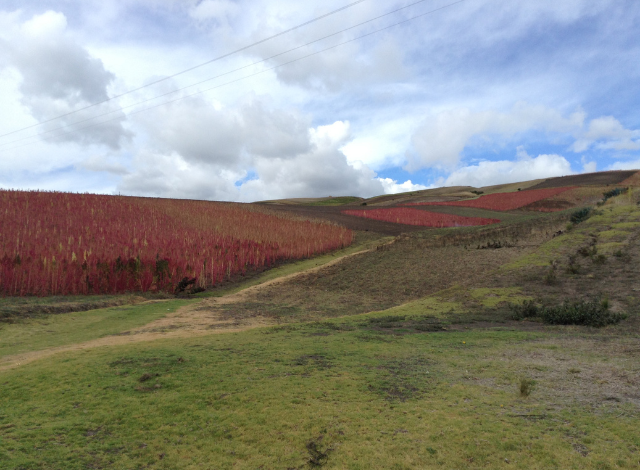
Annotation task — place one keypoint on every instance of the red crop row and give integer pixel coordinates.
(403, 215)
(59, 243)
(501, 201)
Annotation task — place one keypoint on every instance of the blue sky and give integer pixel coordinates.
(480, 92)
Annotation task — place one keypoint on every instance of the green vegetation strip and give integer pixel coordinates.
(71, 328)
(339, 395)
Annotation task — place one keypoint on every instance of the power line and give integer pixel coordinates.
(224, 56)
(211, 78)
(254, 74)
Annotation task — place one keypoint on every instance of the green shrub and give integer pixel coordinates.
(593, 312)
(580, 215)
(614, 193)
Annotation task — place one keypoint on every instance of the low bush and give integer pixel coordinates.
(580, 215)
(526, 387)
(614, 193)
(593, 312)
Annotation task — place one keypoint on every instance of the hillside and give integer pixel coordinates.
(511, 344)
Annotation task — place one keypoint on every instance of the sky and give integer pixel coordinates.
(297, 100)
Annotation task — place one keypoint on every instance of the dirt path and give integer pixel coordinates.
(194, 320)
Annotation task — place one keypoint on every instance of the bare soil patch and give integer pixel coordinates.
(601, 178)
(594, 372)
(372, 281)
(334, 214)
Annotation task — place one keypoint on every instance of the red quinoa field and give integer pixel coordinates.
(501, 201)
(403, 215)
(60, 243)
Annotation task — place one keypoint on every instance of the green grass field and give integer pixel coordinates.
(341, 394)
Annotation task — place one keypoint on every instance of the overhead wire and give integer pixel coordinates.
(121, 108)
(251, 75)
(182, 72)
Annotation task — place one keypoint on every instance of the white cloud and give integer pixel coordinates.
(205, 150)
(525, 168)
(393, 187)
(610, 134)
(628, 165)
(440, 140)
(589, 167)
(58, 76)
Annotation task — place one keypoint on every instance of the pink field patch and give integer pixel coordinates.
(60, 244)
(501, 201)
(407, 216)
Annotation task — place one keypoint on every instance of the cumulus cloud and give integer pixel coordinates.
(58, 76)
(392, 186)
(206, 133)
(608, 133)
(207, 151)
(524, 168)
(323, 171)
(440, 140)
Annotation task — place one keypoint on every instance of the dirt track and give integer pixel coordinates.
(190, 321)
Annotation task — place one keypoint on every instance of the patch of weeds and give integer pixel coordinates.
(573, 267)
(588, 251)
(281, 329)
(389, 321)
(320, 361)
(550, 278)
(326, 328)
(526, 386)
(496, 245)
(599, 259)
(401, 324)
(147, 376)
(527, 309)
(403, 379)
(318, 452)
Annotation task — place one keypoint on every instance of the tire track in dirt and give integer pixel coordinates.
(186, 322)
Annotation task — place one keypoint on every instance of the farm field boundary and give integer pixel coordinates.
(188, 315)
